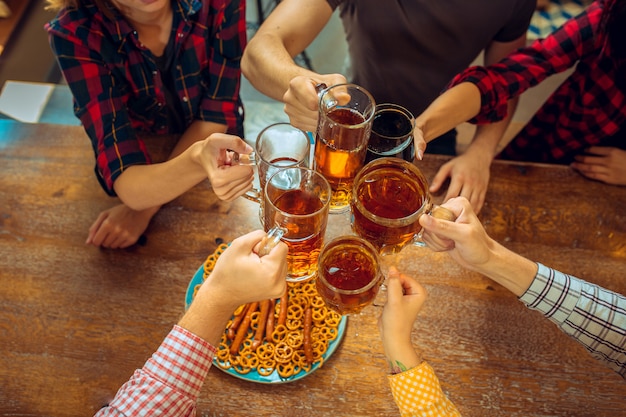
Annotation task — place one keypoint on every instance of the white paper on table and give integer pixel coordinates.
(25, 101)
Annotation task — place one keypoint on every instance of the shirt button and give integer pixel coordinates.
(185, 99)
(160, 104)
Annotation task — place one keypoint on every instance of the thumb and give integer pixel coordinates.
(394, 285)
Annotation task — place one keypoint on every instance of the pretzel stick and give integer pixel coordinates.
(308, 324)
(284, 303)
(232, 329)
(260, 328)
(243, 328)
(269, 325)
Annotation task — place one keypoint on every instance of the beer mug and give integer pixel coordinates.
(346, 112)
(296, 203)
(349, 274)
(392, 133)
(389, 196)
(278, 146)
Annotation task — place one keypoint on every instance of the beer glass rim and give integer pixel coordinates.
(387, 106)
(325, 201)
(366, 116)
(291, 127)
(384, 221)
(336, 241)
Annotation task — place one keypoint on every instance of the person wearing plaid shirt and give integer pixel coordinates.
(581, 124)
(139, 69)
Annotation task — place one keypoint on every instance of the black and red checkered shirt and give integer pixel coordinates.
(117, 87)
(587, 109)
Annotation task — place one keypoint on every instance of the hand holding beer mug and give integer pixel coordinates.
(344, 126)
(296, 202)
(389, 196)
(349, 274)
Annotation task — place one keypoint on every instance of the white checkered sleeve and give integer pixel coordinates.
(170, 381)
(594, 316)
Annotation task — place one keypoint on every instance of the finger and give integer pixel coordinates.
(441, 176)
(93, 230)
(394, 286)
(590, 160)
(234, 191)
(437, 243)
(598, 150)
(419, 142)
(223, 141)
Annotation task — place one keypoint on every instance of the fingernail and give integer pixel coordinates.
(420, 154)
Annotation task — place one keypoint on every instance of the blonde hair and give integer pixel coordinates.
(57, 5)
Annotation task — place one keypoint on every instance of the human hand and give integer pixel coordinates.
(239, 277)
(603, 163)
(465, 239)
(216, 156)
(405, 297)
(469, 177)
(302, 100)
(119, 227)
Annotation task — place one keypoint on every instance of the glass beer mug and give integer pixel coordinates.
(389, 196)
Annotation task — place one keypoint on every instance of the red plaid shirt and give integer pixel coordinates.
(587, 109)
(118, 90)
(170, 381)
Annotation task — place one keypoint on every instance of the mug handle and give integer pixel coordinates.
(247, 160)
(271, 239)
(439, 213)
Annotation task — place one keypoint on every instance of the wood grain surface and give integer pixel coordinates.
(76, 321)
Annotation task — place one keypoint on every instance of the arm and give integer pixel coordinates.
(592, 315)
(496, 84)
(171, 380)
(145, 186)
(469, 172)
(405, 298)
(268, 59)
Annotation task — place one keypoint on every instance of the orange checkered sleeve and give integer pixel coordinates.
(417, 393)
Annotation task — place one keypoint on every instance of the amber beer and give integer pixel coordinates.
(344, 127)
(297, 199)
(349, 274)
(389, 196)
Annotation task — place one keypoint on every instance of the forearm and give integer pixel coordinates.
(401, 355)
(450, 109)
(150, 186)
(488, 136)
(270, 76)
(207, 318)
(146, 186)
(197, 131)
(508, 269)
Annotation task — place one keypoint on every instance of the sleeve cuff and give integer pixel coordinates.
(182, 361)
(417, 392)
(553, 293)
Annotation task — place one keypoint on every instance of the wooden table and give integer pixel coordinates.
(76, 321)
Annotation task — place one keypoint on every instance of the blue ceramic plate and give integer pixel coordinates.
(253, 375)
